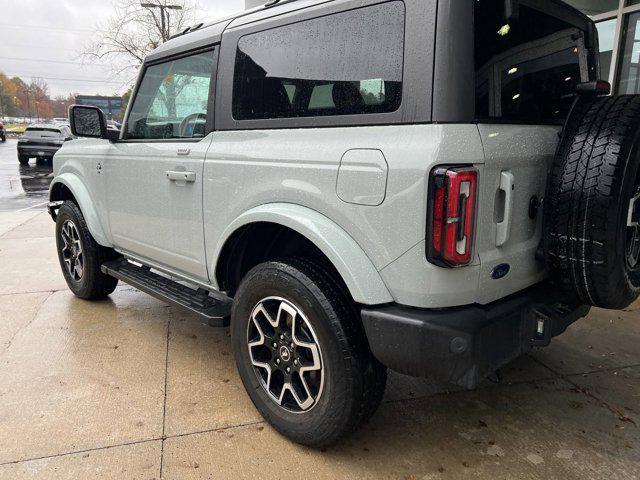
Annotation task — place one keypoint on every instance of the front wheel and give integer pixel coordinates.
(302, 354)
(80, 256)
(23, 159)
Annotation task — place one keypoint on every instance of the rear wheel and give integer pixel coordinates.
(592, 205)
(302, 354)
(80, 256)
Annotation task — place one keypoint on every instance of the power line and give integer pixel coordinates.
(46, 27)
(31, 45)
(56, 61)
(78, 80)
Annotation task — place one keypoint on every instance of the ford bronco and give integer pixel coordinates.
(430, 186)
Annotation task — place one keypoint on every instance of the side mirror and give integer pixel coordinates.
(88, 121)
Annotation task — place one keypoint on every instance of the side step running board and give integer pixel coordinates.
(215, 310)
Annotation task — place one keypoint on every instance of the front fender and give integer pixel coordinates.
(358, 272)
(81, 194)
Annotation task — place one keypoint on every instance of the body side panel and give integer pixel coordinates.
(78, 165)
(345, 254)
(152, 216)
(247, 169)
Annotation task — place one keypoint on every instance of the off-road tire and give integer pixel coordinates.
(24, 160)
(354, 379)
(592, 180)
(93, 284)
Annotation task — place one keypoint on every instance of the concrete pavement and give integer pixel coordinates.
(131, 388)
(22, 186)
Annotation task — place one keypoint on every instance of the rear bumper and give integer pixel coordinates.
(38, 150)
(464, 345)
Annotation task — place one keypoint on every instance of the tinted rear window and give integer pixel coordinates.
(342, 64)
(42, 132)
(526, 69)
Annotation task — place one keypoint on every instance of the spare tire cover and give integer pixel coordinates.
(591, 233)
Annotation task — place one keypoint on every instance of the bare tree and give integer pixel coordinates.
(133, 31)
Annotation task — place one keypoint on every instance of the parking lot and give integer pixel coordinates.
(22, 186)
(132, 388)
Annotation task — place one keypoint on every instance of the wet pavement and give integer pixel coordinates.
(131, 388)
(22, 186)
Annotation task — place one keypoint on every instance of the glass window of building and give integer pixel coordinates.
(629, 79)
(596, 7)
(607, 35)
(527, 70)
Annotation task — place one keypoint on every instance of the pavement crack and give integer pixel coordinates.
(164, 404)
(18, 226)
(585, 391)
(30, 292)
(75, 452)
(218, 429)
(133, 442)
(9, 342)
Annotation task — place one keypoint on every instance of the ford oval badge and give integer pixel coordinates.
(500, 271)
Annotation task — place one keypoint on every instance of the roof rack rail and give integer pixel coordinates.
(268, 4)
(187, 30)
(273, 3)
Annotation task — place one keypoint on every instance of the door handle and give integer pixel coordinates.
(180, 176)
(507, 185)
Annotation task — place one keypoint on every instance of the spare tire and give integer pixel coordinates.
(591, 235)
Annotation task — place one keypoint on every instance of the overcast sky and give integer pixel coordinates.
(43, 38)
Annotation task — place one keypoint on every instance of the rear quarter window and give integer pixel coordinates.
(348, 63)
(526, 69)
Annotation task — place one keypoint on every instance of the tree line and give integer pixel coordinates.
(31, 100)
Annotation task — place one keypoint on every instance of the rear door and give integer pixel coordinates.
(526, 75)
(154, 174)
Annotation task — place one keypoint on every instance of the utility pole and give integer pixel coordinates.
(26, 94)
(164, 33)
(1, 95)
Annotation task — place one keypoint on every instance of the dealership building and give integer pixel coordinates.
(109, 105)
(618, 24)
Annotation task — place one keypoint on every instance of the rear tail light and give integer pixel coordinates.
(452, 213)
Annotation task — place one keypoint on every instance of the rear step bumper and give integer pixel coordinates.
(464, 345)
(200, 301)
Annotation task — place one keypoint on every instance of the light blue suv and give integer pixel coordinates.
(430, 186)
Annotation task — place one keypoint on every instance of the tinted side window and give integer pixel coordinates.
(343, 64)
(526, 69)
(172, 99)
